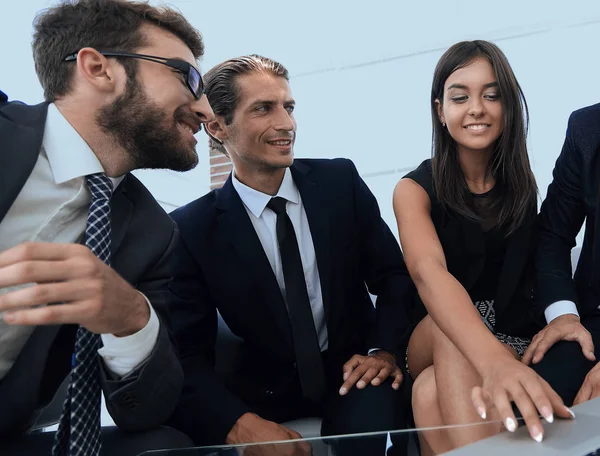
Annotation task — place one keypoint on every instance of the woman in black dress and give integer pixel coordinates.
(465, 220)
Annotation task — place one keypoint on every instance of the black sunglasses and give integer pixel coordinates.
(193, 79)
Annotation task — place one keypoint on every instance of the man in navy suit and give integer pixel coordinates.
(74, 228)
(288, 252)
(570, 302)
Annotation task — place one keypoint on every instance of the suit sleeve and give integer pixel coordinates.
(207, 410)
(384, 272)
(561, 217)
(146, 397)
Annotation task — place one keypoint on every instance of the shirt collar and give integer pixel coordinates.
(256, 201)
(68, 154)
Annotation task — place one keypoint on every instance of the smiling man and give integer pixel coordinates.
(121, 92)
(287, 251)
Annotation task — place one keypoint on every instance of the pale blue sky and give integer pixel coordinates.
(361, 72)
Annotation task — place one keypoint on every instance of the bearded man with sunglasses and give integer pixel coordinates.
(84, 247)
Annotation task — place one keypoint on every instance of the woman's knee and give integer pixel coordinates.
(420, 348)
(424, 394)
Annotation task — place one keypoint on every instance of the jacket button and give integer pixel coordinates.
(295, 366)
(268, 392)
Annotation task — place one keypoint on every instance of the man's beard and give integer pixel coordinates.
(145, 132)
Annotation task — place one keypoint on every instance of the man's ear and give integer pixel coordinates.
(97, 70)
(216, 129)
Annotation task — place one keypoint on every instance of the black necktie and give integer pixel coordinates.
(306, 341)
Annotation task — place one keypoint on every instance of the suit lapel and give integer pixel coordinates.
(236, 226)
(21, 143)
(318, 220)
(122, 211)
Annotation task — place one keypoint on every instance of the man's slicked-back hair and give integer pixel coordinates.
(223, 91)
(105, 25)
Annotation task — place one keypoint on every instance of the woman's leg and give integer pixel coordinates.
(420, 348)
(455, 378)
(426, 411)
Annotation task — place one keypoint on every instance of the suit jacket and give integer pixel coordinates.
(143, 238)
(572, 198)
(221, 265)
(464, 247)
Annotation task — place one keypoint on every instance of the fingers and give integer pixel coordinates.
(352, 364)
(371, 373)
(584, 394)
(304, 448)
(504, 408)
(36, 295)
(584, 338)
(48, 315)
(369, 369)
(559, 407)
(354, 377)
(42, 251)
(544, 399)
(548, 339)
(35, 271)
(526, 407)
(528, 355)
(479, 401)
(590, 387)
(398, 377)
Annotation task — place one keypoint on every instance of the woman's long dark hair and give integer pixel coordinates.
(516, 190)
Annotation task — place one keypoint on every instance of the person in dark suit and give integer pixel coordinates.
(466, 220)
(570, 303)
(287, 252)
(84, 247)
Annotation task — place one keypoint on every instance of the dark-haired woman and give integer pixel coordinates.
(465, 220)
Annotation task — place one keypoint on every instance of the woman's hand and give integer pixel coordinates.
(508, 380)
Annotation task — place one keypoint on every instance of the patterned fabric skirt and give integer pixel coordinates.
(488, 315)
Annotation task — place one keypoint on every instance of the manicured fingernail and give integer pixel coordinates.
(375, 382)
(537, 434)
(343, 391)
(547, 414)
(346, 376)
(360, 384)
(9, 317)
(571, 412)
(510, 424)
(482, 413)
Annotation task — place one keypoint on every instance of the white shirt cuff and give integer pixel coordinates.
(372, 351)
(123, 354)
(560, 308)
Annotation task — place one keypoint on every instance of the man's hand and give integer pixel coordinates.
(591, 386)
(250, 428)
(507, 379)
(361, 370)
(82, 288)
(565, 327)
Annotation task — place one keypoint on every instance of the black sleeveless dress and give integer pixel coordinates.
(483, 288)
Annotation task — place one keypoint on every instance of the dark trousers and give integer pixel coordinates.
(564, 367)
(114, 442)
(372, 409)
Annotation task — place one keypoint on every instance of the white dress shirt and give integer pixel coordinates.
(52, 207)
(560, 308)
(264, 221)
